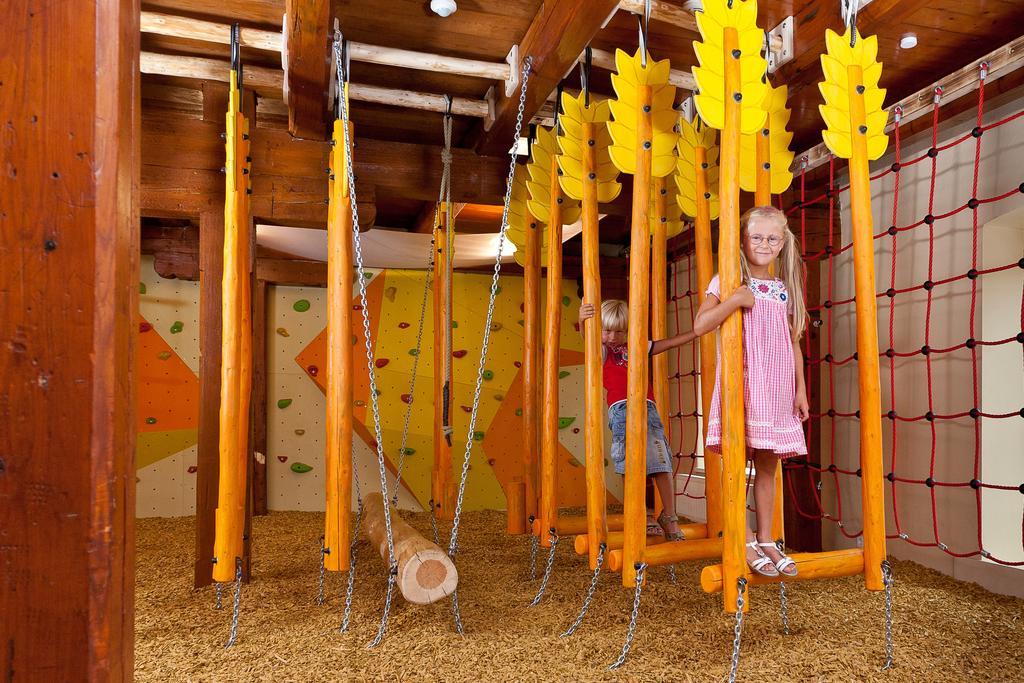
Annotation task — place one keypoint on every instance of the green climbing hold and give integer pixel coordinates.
(478, 436)
(354, 340)
(151, 420)
(488, 375)
(163, 355)
(406, 451)
(455, 324)
(284, 403)
(177, 327)
(414, 352)
(377, 392)
(519, 412)
(301, 306)
(520, 323)
(301, 468)
(367, 275)
(564, 422)
(565, 301)
(497, 290)
(563, 374)
(142, 288)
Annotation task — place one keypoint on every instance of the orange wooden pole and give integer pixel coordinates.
(594, 407)
(705, 271)
(442, 474)
(634, 508)
(515, 498)
(763, 197)
(571, 526)
(552, 335)
(338, 460)
(531, 363)
(659, 306)
(867, 343)
(660, 554)
(827, 565)
(245, 242)
(733, 433)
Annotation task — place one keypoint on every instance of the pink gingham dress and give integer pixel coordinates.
(769, 377)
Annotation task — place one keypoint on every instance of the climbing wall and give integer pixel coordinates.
(167, 395)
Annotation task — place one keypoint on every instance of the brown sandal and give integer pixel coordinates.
(664, 519)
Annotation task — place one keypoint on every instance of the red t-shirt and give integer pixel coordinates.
(615, 373)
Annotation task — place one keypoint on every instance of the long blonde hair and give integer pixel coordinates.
(789, 268)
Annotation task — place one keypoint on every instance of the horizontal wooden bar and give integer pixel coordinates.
(831, 564)
(571, 526)
(659, 554)
(691, 532)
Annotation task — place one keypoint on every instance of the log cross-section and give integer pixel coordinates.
(307, 66)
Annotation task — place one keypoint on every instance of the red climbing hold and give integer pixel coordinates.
(406, 398)
(381, 362)
(522, 309)
(403, 326)
(518, 364)
(282, 458)
(466, 409)
(577, 326)
(192, 469)
(145, 327)
(575, 430)
(461, 353)
(313, 370)
(357, 307)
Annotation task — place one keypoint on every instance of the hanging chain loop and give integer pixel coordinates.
(553, 538)
(741, 586)
(233, 635)
(590, 593)
(641, 568)
(887, 578)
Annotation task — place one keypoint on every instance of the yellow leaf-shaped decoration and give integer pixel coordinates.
(851, 77)
(626, 113)
(543, 161)
(690, 138)
(710, 95)
(779, 157)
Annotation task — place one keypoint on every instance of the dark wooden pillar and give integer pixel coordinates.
(259, 397)
(68, 298)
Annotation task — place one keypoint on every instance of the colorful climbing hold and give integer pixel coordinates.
(518, 364)
(381, 362)
(301, 468)
(151, 420)
(357, 307)
(519, 412)
(565, 300)
(577, 326)
(300, 432)
(466, 409)
(145, 327)
(478, 436)
(390, 293)
(284, 403)
(488, 375)
(403, 326)
(575, 430)
(313, 370)
(497, 290)
(142, 288)
(461, 353)
(377, 392)
(360, 404)
(282, 458)
(192, 469)
(367, 275)
(163, 355)
(354, 340)
(522, 308)
(495, 327)
(406, 398)
(406, 451)
(564, 422)
(301, 306)
(414, 352)
(563, 374)
(283, 332)
(177, 326)
(491, 461)
(455, 324)
(499, 397)
(573, 463)
(520, 323)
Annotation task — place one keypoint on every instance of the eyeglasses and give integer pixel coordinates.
(772, 240)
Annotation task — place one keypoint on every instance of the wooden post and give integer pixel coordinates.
(441, 480)
(659, 313)
(531, 353)
(552, 343)
(634, 509)
(594, 406)
(69, 240)
(763, 197)
(259, 398)
(338, 456)
(425, 572)
(705, 271)
(733, 432)
(867, 344)
(515, 498)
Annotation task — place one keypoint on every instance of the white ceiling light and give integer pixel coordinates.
(908, 41)
(443, 7)
(694, 5)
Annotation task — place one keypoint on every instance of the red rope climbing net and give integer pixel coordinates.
(816, 484)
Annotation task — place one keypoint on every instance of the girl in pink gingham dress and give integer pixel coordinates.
(774, 395)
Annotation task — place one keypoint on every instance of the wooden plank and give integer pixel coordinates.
(297, 273)
(209, 31)
(559, 33)
(67, 503)
(307, 64)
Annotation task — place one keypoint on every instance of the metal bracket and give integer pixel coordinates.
(489, 98)
(687, 109)
(512, 82)
(780, 44)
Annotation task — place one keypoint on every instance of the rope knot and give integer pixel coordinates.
(446, 156)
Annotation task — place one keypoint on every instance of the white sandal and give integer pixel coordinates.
(762, 565)
(783, 564)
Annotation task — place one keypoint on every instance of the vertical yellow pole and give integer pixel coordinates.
(338, 469)
(552, 336)
(733, 432)
(531, 348)
(597, 530)
(705, 271)
(634, 509)
(867, 342)
(245, 238)
(440, 483)
(763, 197)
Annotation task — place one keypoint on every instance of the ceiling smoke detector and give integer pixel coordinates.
(908, 41)
(443, 8)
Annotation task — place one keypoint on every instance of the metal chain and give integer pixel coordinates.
(784, 608)
(323, 572)
(219, 599)
(453, 542)
(534, 544)
(553, 538)
(351, 570)
(233, 635)
(392, 575)
(590, 593)
(672, 574)
(444, 199)
(368, 338)
(433, 523)
(887, 578)
(741, 586)
(456, 613)
(641, 567)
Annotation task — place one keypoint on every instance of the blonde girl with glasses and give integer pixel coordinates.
(775, 397)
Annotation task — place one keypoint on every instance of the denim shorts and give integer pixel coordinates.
(659, 457)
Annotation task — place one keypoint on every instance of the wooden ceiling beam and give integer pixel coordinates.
(425, 221)
(555, 39)
(307, 66)
(207, 31)
(664, 12)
